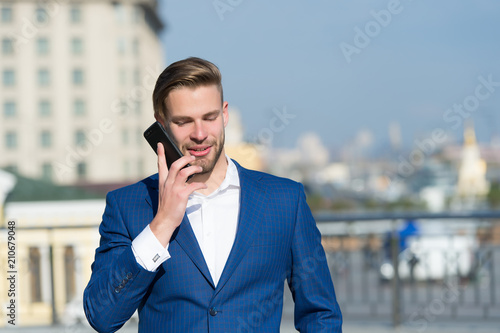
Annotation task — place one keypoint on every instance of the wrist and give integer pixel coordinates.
(162, 229)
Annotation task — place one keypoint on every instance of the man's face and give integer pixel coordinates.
(197, 119)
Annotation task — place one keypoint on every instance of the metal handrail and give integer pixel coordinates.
(324, 217)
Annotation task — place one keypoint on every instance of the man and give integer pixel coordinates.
(210, 254)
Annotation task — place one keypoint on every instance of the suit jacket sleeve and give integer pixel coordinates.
(118, 283)
(316, 307)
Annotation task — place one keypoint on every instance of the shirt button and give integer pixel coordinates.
(213, 311)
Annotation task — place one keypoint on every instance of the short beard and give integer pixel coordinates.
(208, 168)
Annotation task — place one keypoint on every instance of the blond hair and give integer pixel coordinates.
(192, 73)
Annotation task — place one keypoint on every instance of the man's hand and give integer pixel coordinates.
(174, 193)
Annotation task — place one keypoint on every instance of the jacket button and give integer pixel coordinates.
(117, 290)
(213, 311)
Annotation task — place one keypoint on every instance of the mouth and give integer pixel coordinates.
(199, 151)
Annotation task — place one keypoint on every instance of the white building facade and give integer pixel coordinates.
(76, 79)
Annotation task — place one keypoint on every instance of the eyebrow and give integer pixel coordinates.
(184, 118)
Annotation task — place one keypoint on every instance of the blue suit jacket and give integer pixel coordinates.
(277, 240)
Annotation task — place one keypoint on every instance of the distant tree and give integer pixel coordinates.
(406, 204)
(493, 196)
(315, 202)
(343, 205)
(318, 203)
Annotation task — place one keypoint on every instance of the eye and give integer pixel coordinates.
(212, 117)
(180, 122)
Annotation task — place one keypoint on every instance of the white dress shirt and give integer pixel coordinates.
(214, 220)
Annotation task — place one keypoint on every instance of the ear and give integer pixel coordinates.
(225, 113)
(159, 119)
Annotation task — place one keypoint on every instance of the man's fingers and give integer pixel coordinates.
(177, 169)
(180, 171)
(189, 171)
(181, 163)
(162, 163)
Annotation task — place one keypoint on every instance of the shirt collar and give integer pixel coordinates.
(231, 180)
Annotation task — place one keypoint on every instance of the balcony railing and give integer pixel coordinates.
(415, 268)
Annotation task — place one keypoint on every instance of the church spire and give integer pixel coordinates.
(469, 134)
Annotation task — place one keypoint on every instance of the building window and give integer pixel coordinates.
(47, 171)
(7, 46)
(120, 107)
(138, 14)
(79, 107)
(81, 170)
(124, 107)
(138, 107)
(44, 108)
(77, 77)
(35, 269)
(43, 77)
(140, 167)
(80, 138)
(42, 46)
(6, 14)
(137, 77)
(45, 139)
(76, 46)
(11, 140)
(126, 167)
(125, 136)
(8, 78)
(121, 45)
(9, 109)
(119, 12)
(75, 14)
(135, 46)
(139, 136)
(122, 76)
(41, 15)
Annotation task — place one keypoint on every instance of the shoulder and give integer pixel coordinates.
(270, 182)
(139, 188)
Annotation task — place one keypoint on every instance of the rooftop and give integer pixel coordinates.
(27, 189)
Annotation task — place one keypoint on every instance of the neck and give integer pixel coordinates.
(214, 178)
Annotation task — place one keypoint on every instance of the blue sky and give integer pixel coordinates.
(286, 55)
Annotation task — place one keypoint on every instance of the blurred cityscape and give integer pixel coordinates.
(75, 98)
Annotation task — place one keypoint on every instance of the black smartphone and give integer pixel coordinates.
(157, 133)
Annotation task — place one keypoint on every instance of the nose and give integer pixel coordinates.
(199, 132)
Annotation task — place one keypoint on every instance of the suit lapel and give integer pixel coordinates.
(252, 197)
(183, 235)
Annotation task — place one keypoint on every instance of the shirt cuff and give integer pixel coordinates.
(148, 251)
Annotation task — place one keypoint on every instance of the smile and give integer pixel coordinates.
(199, 151)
